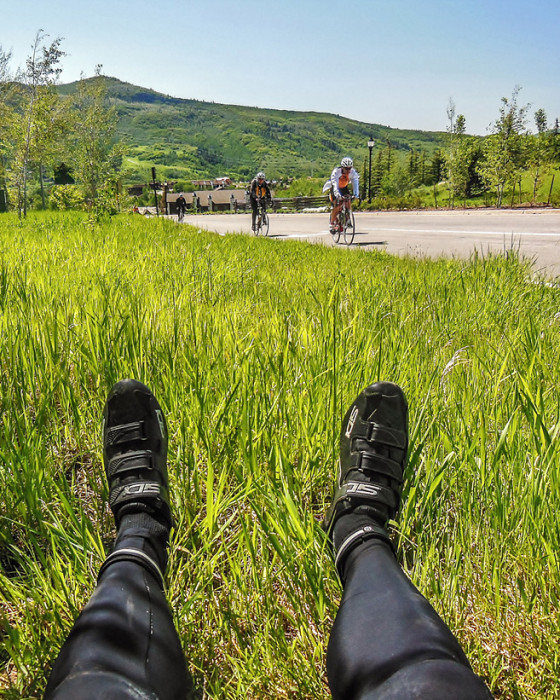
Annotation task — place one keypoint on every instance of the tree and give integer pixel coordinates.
(51, 122)
(389, 156)
(33, 135)
(63, 175)
(400, 181)
(364, 180)
(538, 152)
(455, 168)
(6, 120)
(436, 168)
(413, 167)
(422, 172)
(377, 170)
(554, 144)
(467, 180)
(504, 148)
(95, 159)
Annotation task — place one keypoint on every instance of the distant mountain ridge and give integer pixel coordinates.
(193, 138)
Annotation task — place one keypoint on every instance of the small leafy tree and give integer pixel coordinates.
(467, 180)
(538, 152)
(554, 144)
(398, 182)
(504, 148)
(96, 161)
(6, 119)
(34, 134)
(456, 170)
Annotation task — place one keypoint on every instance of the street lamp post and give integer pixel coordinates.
(371, 144)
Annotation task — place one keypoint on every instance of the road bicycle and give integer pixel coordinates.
(262, 223)
(344, 224)
(180, 215)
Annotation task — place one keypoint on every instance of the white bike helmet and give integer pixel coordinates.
(347, 163)
(261, 176)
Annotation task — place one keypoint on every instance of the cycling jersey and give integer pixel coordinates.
(257, 190)
(339, 181)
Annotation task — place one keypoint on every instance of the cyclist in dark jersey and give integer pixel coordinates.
(181, 204)
(258, 189)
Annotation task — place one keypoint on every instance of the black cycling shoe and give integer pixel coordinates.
(373, 449)
(135, 452)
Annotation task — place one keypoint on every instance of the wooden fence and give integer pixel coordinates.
(241, 205)
(291, 203)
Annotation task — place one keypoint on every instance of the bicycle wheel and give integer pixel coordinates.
(257, 225)
(265, 224)
(349, 228)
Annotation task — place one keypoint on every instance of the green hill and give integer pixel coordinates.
(188, 138)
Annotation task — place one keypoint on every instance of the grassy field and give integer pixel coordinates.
(255, 349)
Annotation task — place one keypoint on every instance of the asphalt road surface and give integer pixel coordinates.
(534, 233)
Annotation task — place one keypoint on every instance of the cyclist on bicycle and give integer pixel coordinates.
(338, 183)
(181, 204)
(258, 189)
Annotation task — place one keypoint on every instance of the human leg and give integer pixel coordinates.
(387, 641)
(124, 644)
(337, 206)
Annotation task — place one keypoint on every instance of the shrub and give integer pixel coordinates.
(65, 197)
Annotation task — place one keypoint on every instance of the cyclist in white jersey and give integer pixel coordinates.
(338, 183)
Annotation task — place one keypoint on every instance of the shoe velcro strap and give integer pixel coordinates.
(129, 462)
(127, 432)
(374, 432)
(378, 464)
(137, 491)
(366, 493)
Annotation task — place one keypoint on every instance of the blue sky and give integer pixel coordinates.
(396, 62)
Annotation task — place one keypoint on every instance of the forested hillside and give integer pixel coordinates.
(191, 138)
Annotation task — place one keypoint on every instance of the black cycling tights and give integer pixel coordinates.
(387, 641)
(123, 645)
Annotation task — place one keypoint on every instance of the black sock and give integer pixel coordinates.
(346, 525)
(140, 530)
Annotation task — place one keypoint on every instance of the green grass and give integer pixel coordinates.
(255, 349)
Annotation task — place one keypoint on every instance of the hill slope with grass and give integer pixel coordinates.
(191, 138)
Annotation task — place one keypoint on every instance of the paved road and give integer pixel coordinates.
(535, 233)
